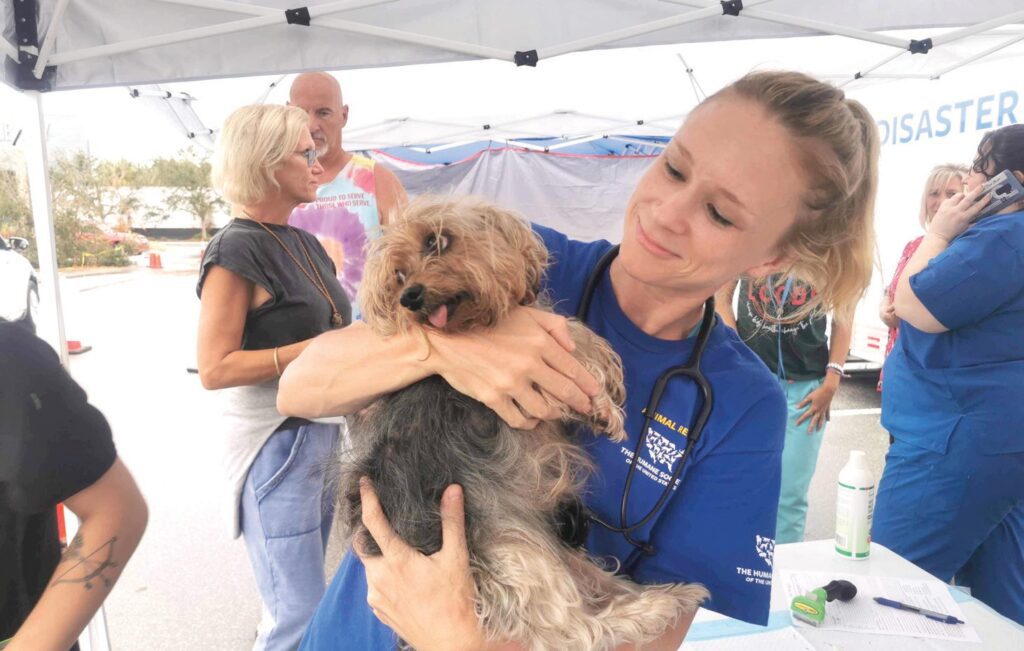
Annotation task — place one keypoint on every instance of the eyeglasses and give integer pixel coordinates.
(310, 155)
(984, 160)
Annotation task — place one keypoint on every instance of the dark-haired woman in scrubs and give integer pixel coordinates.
(951, 499)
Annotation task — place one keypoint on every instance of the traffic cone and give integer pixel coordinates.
(154, 261)
(75, 347)
(62, 532)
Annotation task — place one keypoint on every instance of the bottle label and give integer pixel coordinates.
(854, 511)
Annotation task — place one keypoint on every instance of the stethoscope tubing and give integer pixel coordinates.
(691, 370)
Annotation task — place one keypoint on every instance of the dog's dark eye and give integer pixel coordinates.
(399, 276)
(436, 243)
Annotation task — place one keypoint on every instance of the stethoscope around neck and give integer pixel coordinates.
(576, 522)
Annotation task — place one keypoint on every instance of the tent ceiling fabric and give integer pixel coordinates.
(243, 38)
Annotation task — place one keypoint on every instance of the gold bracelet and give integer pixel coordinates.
(277, 363)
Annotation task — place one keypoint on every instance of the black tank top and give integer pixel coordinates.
(297, 310)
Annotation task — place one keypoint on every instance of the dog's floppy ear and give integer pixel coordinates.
(376, 293)
(531, 254)
(535, 257)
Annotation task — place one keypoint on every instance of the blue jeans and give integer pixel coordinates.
(799, 458)
(286, 520)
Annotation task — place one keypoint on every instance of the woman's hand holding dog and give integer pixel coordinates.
(427, 600)
(508, 366)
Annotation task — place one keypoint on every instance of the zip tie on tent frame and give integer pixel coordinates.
(298, 16)
(731, 7)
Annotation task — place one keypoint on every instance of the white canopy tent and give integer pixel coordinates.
(53, 45)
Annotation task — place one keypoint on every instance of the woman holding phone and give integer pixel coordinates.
(951, 499)
(943, 182)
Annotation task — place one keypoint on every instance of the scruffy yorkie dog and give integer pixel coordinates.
(456, 266)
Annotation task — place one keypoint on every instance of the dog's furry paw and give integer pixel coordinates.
(607, 417)
(596, 355)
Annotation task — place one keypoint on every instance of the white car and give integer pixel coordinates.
(19, 287)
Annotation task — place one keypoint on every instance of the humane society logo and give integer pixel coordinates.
(658, 459)
(765, 549)
(662, 450)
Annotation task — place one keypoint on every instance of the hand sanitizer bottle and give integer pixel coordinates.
(854, 506)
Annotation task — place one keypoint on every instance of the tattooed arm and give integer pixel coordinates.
(113, 516)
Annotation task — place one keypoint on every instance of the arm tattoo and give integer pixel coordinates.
(87, 568)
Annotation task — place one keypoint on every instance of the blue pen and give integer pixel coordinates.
(930, 614)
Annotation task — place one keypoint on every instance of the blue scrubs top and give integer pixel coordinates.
(972, 376)
(718, 528)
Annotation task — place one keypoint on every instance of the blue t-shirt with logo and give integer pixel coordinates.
(718, 526)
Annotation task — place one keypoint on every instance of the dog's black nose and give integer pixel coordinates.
(412, 297)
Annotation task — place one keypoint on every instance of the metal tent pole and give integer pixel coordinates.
(979, 55)
(95, 637)
(42, 218)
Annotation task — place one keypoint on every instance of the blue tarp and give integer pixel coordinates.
(606, 146)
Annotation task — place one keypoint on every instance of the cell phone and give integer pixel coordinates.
(1005, 189)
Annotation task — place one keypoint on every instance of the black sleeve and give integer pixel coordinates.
(53, 443)
(238, 252)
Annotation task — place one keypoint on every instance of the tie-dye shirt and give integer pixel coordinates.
(344, 218)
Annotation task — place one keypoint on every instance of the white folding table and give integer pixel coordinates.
(997, 632)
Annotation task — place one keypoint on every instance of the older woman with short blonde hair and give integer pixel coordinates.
(943, 182)
(266, 290)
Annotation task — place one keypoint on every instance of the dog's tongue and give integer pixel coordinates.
(439, 317)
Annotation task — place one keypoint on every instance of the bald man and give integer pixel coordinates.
(355, 194)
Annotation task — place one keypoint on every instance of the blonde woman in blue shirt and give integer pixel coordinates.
(774, 173)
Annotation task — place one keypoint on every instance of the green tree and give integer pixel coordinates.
(189, 176)
(95, 190)
(121, 181)
(16, 213)
(85, 193)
